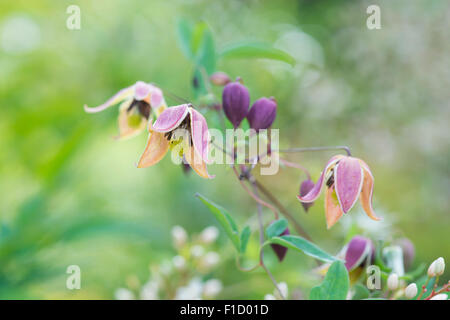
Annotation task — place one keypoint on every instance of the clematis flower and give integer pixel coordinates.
(347, 179)
(137, 104)
(182, 129)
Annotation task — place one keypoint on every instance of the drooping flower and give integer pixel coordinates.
(183, 130)
(358, 251)
(137, 104)
(347, 179)
(305, 188)
(235, 102)
(262, 113)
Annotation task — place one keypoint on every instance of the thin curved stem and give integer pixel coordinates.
(308, 149)
(295, 165)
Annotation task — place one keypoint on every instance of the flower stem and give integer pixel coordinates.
(308, 149)
(295, 165)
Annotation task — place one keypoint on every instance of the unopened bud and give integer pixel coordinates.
(179, 262)
(211, 259)
(235, 102)
(411, 291)
(439, 266)
(305, 188)
(209, 234)
(179, 236)
(212, 288)
(432, 269)
(392, 281)
(262, 113)
(219, 78)
(197, 251)
(441, 296)
(279, 250)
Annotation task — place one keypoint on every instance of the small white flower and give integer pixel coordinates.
(212, 288)
(197, 251)
(392, 281)
(192, 291)
(209, 235)
(284, 290)
(179, 262)
(411, 291)
(211, 259)
(150, 291)
(439, 266)
(124, 294)
(441, 296)
(179, 236)
(269, 297)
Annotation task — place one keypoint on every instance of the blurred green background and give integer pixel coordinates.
(70, 194)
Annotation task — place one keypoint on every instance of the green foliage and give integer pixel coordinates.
(256, 50)
(301, 244)
(360, 292)
(276, 228)
(335, 285)
(245, 236)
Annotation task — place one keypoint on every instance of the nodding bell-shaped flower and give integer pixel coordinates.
(262, 113)
(279, 250)
(305, 188)
(183, 130)
(235, 102)
(347, 179)
(138, 102)
(359, 251)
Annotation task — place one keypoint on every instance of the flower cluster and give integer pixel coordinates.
(184, 276)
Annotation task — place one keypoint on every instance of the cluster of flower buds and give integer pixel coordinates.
(236, 102)
(195, 258)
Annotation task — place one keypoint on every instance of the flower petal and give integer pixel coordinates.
(357, 251)
(170, 118)
(142, 90)
(200, 134)
(314, 193)
(367, 193)
(196, 162)
(332, 209)
(119, 96)
(348, 179)
(156, 97)
(131, 123)
(157, 146)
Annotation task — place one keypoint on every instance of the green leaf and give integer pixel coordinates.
(301, 244)
(276, 228)
(206, 54)
(361, 292)
(335, 285)
(184, 31)
(245, 236)
(256, 50)
(225, 220)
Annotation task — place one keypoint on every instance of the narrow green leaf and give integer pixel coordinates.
(225, 220)
(184, 31)
(276, 228)
(245, 236)
(206, 54)
(335, 285)
(301, 244)
(256, 50)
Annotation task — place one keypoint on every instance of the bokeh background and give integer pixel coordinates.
(70, 194)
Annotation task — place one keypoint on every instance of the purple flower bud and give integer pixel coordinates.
(262, 113)
(235, 101)
(305, 188)
(219, 78)
(359, 250)
(280, 251)
(408, 251)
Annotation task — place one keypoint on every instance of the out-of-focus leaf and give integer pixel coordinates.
(184, 38)
(335, 285)
(301, 244)
(360, 292)
(276, 228)
(206, 55)
(225, 220)
(256, 50)
(245, 236)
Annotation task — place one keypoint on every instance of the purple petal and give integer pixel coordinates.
(141, 90)
(115, 99)
(170, 118)
(200, 134)
(357, 251)
(305, 188)
(315, 191)
(348, 178)
(156, 97)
